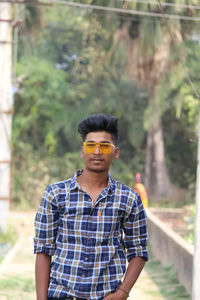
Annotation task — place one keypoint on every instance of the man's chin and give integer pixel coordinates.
(96, 170)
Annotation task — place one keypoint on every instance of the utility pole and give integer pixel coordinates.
(196, 260)
(6, 110)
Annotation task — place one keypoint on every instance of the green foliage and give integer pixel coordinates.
(33, 172)
(176, 101)
(73, 70)
(181, 150)
(151, 36)
(175, 90)
(56, 93)
(42, 95)
(189, 236)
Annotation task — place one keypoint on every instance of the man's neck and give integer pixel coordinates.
(93, 180)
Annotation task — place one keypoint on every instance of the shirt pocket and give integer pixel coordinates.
(75, 218)
(69, 217)
(111, 216)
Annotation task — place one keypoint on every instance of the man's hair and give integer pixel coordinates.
(99, 122)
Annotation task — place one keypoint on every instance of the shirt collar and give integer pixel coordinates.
(111, 183)
(74, 182)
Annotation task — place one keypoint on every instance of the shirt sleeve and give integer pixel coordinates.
(46, 223)
(135, 230)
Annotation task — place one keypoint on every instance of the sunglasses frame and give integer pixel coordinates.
(99, 146)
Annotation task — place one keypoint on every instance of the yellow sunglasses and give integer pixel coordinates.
(104, 148)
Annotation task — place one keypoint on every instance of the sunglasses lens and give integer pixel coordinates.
(89, 147)
(106, 148)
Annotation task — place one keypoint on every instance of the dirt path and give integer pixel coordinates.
(145, 289)
(17, 269)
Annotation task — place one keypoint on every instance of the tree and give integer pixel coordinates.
(149, 44)
(176, 93)
(196, 260)
(76, 69)
(65, 78)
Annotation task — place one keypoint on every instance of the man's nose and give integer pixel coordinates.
(97, 150)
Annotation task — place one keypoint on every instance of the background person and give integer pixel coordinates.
(140, 189)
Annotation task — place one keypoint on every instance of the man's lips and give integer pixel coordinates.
(96, 159)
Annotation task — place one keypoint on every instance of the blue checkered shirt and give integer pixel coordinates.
(89, 243)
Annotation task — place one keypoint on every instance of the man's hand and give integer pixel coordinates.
(118, 295)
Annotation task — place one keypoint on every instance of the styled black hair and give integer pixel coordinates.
(99, 122)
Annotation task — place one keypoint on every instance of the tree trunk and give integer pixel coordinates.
(5, 112)
(147, 71)
(156, 177)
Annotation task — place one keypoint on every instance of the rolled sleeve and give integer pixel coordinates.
(46, 223)
(135, 230)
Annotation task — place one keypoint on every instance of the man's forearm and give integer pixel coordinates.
(133, 271)
(42, 274)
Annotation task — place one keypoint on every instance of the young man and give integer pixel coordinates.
(89, 224)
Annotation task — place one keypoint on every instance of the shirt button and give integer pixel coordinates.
(89, 200)
(83, 275)
(86, 258)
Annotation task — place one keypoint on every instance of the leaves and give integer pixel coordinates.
(75, 69)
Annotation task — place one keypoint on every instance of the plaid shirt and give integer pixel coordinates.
(90, 243)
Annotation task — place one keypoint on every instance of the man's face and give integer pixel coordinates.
(97, 161)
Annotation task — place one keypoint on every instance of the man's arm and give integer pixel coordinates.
(135, 240)
(133, 271)
(42, 274)
(46, 225)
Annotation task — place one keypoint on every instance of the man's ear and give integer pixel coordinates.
(116, 153)
(82, 151)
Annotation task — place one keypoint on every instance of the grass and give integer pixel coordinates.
(17, 283)
(165, 277)
(22, 288)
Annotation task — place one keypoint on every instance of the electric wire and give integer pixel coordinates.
(108, 8)
(177, 5)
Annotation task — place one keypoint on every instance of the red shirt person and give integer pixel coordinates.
(140, 189)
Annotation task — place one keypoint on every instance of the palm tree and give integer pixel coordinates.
(148, 53)
(149, 44)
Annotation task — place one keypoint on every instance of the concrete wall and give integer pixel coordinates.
(171, 249)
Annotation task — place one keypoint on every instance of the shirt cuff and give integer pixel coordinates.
(143, 254)
(44, 248)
